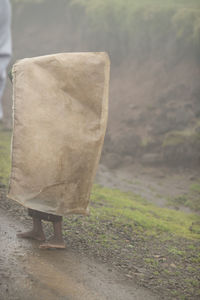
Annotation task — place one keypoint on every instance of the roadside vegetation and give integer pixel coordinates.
(140, 27)
(136, 27)
(158, 247)
(190, 199)
(5, 137)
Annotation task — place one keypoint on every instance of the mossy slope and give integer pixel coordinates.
(5, 137)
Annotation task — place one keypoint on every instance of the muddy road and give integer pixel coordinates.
(29, 273)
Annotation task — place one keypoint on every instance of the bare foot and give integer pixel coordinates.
(39, 236)
(53, 244)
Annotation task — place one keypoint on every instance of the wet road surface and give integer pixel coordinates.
(29, 273)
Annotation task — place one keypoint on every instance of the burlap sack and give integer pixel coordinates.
(60, 116)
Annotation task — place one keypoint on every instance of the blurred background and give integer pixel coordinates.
(154, 47)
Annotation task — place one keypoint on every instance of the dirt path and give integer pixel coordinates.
(29, 273)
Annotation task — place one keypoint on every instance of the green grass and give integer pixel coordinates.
(126, 230)
(176, 251)
(191, 199)
(5, 137)
(126, 209)
(195, 187)
(95, 4)
(175, 138)
(133, 2)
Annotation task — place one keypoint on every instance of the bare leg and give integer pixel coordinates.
(36, 233)
(56, 241)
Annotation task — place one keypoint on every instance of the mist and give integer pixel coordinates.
(154, 50)
(152, 144)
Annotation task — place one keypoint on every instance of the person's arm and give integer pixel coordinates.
(5, 43)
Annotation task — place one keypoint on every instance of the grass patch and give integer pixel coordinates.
(5, 137)
(195, 187)
(190, 200)
(175, 138)
(155, 245)
(175, 251)
(126, 209)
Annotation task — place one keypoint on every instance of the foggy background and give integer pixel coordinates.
(154, 47)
